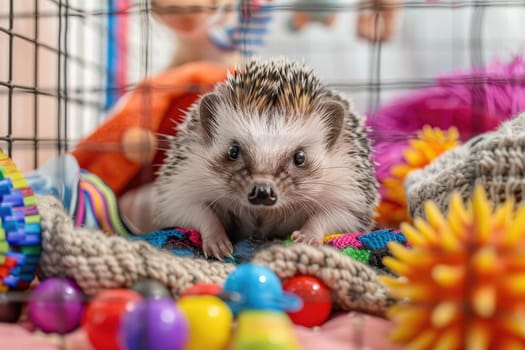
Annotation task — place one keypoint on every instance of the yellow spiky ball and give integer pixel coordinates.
(428, 145)
(462, 283)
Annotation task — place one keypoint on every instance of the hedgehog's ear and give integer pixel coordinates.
(207, 113)
(333, 116)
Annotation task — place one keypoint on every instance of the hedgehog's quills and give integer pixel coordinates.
(271, 151)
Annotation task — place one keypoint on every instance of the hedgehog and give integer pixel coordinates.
(267, 154)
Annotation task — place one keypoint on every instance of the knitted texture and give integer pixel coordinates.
(358, 254)
(347, 240)
(354, 285)
(493, 159)
(357, 245)
(97, 261)
(187, 242)
(379, 239)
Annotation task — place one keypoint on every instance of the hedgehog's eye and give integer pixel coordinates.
(299, 158)
(233, 152)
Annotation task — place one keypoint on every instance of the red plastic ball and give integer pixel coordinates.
(317, 302)
(103, 315)
(202, 289)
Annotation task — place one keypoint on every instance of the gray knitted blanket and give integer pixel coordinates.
(97, 261)
(494, 159)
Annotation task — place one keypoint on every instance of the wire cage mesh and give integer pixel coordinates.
(56, 57)
(55, 61)
(59, 77)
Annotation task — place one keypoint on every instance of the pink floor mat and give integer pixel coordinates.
(344, 332)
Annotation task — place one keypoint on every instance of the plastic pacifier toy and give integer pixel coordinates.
(258, 288)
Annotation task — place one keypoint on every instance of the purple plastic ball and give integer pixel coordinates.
(154, 324)
(56, 305)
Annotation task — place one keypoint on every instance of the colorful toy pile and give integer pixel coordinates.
(146, 317)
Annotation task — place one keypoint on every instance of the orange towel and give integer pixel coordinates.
(157, 103)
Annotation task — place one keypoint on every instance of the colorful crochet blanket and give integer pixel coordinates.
(368, 248)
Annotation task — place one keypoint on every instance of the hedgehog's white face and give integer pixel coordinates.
(267, 162)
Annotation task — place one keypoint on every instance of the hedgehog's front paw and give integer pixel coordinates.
(308, 237)
(217, 245)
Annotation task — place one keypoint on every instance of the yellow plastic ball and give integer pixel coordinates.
(210, 321)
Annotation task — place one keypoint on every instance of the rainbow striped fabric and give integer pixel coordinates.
(96, 206)
(86, 198)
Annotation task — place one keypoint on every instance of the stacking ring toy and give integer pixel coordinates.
(20, 233)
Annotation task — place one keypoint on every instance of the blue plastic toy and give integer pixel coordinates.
(258, 288)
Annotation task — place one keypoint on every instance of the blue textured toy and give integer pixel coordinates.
(20, 234)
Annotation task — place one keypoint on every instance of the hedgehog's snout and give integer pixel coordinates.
(262, 193)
